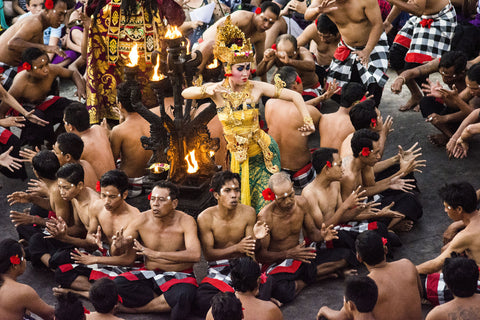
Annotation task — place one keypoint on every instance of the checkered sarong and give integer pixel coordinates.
(219, 275)
(357, 226)
(163, 279)
(428, 37)
(344, 59)
(8, 73)
(286, 266)
(435, 289)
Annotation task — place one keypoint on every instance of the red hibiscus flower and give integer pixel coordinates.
(15, 259)
(274, 46)
(49, 4)
(329, 164)
(384, 241)
(268, 194)
(26, 66)
(97, 186)
(374, 122)
(258, 10)
(149, 196)
(365, 151)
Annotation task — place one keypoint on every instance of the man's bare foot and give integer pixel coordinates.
(440, 140)
(412, 103)
(332, 275)
(349, 272)
(278, 303)
(58, 291)
(403, 226)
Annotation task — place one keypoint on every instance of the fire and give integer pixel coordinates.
(133, 56)
(191, 162)
(211, 154)
(159, 167)
(188, 46)
(213, 65)
(172, 33)
(156, 76)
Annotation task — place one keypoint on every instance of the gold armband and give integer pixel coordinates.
(308, 120)
(279, 85)
(203, 90)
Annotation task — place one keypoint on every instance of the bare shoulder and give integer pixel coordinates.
(271, 311)
(206, 216)
(241, 18)
(438, 313)
(32, 23)
(265, 213)
(302, 202)
(185, 219)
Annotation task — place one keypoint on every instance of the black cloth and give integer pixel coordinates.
(59, 251)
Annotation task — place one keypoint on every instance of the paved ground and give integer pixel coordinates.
(422, 243)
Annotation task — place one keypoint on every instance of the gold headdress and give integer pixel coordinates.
(231, 45)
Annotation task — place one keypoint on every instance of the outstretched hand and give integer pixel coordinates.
(260, 230)
(328, 233)
(9, 162)
(302, 253)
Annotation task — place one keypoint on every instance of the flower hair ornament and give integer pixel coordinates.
(49, 4)
(329, 164)
(373, 121)
(98, 187)
(15, 259)
(26, 66)
(258, 10)
(268, 194)
(212, 190)
(366, 151)
(274, 46)
(384, 241)
(149, 196)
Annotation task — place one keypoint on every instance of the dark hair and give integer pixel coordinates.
(72, 172)
(369, 247)
(473, 73)
(325, 25)
(363, 138)
(461, 194)
(70, 143)
(456, 59)
(8, 248)
(287, 74)
(104, 295)
(352, 92)
(362, 291)
(76, 114)
(226, 306)
(272, 6)
(69, 307)
(46, 164)
(172, 188)
(245, 273)
(461, 276)
(320, 158)
(220, 178)
(116, 178)
(362, 113)
(30, 54)
(124, 94)
(289, 38)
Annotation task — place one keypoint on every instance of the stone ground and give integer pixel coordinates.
(422, 243)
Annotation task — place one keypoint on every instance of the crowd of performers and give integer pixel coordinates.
(286, 216)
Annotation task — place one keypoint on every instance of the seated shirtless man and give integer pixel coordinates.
(125, 141)
(167, 238)
(460, 202)
(290, 266)
(399, 288)
(29, 33)
(106, 225)
(32, 87)
(461, 276)
(226, 231)
(97, 150)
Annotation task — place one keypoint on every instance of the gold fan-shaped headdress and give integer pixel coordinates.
(230, 44)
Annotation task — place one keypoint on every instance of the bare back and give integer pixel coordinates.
(97, 150)
(90, 174)
(334, 128)
(126, 145)
(464, 308)
(256, 309)
(398, 291)
(241, 18)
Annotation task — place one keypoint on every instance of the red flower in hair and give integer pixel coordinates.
(212, 190)
(258, 10)
(365, 151)
(228, 74)
(49, 4)
(298, 80)
(253, 71)
(97, 186)
(149, 198)
(26, 66)
(329, 164)
(374, 122)
(86, 311)
(263, 278)
(316, 22)
(384, 241)
(15, 259)
(268, 194)
(274, 46)
(120, 299)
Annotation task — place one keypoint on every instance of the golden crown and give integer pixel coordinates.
(231, 45)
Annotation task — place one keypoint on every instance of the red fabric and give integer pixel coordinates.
(303, 170)
(342, 53)
(172, 11)
(373, 225)
(290, 269)
(65, 267)
(4, 136)
(426, 23)
(329, 244)
(432, 288)
(95, 275)
(220, 285)
(52, 214)
(191, 280)
(403, 41)
(44, 105)
(417, 57)
(2, 70)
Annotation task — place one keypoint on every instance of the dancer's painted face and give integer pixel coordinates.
(240, 73)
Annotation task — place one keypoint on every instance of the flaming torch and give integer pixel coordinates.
(131, 68)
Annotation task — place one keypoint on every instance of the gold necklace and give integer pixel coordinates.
(236, 98)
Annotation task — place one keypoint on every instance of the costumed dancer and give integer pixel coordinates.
(254, 154)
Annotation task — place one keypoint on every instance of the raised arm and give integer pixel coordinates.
(415, 7)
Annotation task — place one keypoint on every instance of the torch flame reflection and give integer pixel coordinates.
(156, 76)
(172, 33)
(213, 65)
(211, 154)
(191, 162)
(133, 56)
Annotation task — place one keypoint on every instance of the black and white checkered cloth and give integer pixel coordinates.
(428, 37)
(163, 279)
(220, 270)
(374, 72)
(8, 73)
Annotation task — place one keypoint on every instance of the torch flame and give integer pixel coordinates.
(188, 46)
(213, 65)
(156, 76)
(133, 56)
(191, 162)
(211, 154)
(172, 33)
